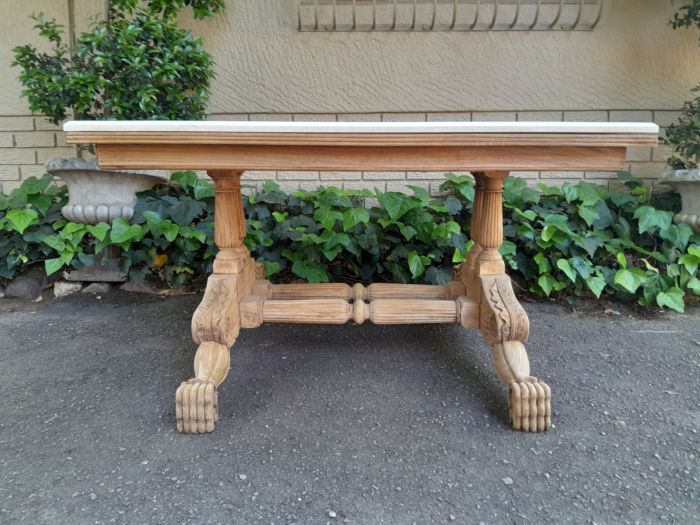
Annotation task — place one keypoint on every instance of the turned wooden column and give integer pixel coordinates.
(229, 222)
(489, 226)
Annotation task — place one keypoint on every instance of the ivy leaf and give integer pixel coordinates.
(99, 230)
(354, 216)
(569, 191)
(186, 179)
(587, 193)
(33, 185)
(21, 219)
(52, 265)
(397, 204)
(677, 234)
(332, 253)
(588, 214)
(628, 279)
(690, 262)
(529, 195)
(589, 244)
(596, 285)
(327, 217)
(673, 270)
(508, 248)
(652, 287)
(55, 242)
(582, 266)
(549, 191)
(445, 230)
(279, 216)
(605, 217)
(203, 189)
(467, 190)
(672, 298)
(530, 215)
(312, 272)
(271, 267)
(454, 205)
(549, 232)
(41, 201)
(565, 267)
(621, 260)
(547, 283)
(123, 232)
(650, 218)
(542, 263)
(408, 232)
(186, 210)
(170, 230)
(72, 227)
(419, 192)
(392, 203)
(416, 264)
(438, 276)
(694, 285)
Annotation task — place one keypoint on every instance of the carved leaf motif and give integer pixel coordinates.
(501, 318)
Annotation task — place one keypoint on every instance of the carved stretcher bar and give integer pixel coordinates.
(481, 296)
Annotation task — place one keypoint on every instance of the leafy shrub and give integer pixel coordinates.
(684, 136)
(136, 64)
(569, 241)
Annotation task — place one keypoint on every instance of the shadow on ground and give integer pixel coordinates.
(352, 424)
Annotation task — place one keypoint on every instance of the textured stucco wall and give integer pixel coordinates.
(632, 60)
(633, 66)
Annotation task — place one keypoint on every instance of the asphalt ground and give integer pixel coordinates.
(351, 424)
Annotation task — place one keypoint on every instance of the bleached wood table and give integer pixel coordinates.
(237, 296)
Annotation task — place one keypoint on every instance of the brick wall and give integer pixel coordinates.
(27, 142)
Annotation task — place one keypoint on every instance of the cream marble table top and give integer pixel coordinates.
(360, 127)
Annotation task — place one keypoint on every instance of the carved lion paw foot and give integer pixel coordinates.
(529, 404)
(196, 407)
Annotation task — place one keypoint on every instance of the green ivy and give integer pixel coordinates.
(572, 241)
(28, 215)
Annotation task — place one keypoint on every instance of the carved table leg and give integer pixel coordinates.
(217, 321)
(503, 322)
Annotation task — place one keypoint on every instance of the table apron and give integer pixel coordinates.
(361, 158)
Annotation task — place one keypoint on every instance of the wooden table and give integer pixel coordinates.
(237, 295)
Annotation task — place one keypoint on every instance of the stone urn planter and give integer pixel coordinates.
(687, 183)
(96, 195)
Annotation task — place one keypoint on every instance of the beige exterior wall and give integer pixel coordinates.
(633, 66)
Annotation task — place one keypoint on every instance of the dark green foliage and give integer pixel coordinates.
(576, 240)
(27, 216)
(684, 137)
(327, 235)
(167, 8)
(137, 65)
(688, 14)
